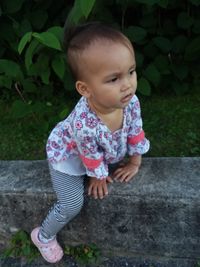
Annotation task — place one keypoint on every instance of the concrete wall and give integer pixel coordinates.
(157, 214)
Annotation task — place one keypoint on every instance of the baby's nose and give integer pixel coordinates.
(126, 84)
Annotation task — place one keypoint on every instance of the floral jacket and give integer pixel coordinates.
(84, 142)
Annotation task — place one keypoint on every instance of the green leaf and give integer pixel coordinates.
(144, 87)
(24, 27)
(168, 28)
(20, 110)
(86, 6)
(33, 70)
(152, 74)
(7, 253)
(38, 18)
(195, 2)
(10, 68)
(20, 235)
(26, 250)
(90, 254)
(57, 31)
(40, 66)
(192, 51)
(184, 21)
(58, 65)
(148, 2)
(43, 61)
(75, 14)
(45, 76)
(2, 51)
(29, 86)
(195, 72)
(139, 59)
(150, 50)
(163, 43)
(196, 26)
(179, 43)
(10, 6)
(39, 107)
(148, 21)
(29, 53)
(162, 63)
(48, 39)
(24, 40)
(5, 81)
(180, 71)
(63, 114)
(180, 88)
(163, 3)
(68, 81)
(136, 34)
(7, 32)
(43, 69)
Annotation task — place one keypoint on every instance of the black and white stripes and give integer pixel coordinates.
(70, 197)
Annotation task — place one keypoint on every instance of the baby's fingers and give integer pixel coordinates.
(109, 179)
(118, 175)
(105, 189)
(92, 190)
(131, 175)
(124, 176)
(118, 170)
(128, 178)
(100, 192)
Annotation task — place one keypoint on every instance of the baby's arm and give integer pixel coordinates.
(98, 188)
(126, 171)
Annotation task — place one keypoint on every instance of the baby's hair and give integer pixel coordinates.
(79, 38)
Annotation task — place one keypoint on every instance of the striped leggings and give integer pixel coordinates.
(69, 190)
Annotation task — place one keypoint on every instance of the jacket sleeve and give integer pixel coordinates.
(137, 143)
(57, 144)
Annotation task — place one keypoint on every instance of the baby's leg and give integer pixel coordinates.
(69, 190)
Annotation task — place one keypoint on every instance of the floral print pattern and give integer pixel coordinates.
(82, 133)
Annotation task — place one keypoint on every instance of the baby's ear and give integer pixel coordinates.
(83, 89)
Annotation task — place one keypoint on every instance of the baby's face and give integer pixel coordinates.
(110, 75)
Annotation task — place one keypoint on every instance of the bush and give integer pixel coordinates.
(165, 35)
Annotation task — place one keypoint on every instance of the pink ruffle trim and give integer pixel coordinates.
(91, 163)
(133, 140)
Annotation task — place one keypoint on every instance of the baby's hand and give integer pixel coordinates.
(126, 172)
(98, 188)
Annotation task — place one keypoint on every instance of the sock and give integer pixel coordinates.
(43, 239)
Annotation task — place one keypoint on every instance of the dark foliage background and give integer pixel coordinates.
(35, 83)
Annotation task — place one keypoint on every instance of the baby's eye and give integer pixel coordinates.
(131, 71)
(114, 79)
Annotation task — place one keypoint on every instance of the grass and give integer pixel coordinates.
(171, 123)
(20, 140)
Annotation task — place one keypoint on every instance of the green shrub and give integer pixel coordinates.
(165, 35)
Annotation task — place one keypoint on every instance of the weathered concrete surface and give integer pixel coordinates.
(104, 262)
(156, 215)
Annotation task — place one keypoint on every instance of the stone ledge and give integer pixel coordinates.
(157, 214)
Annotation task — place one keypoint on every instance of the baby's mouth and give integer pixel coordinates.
(126, 98)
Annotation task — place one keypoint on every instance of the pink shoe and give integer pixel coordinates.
(51, 252)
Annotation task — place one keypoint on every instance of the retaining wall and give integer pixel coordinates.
(157, 214)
